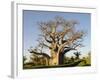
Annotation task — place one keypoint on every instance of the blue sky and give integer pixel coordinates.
(31, 29)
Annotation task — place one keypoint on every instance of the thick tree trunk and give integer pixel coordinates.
(61, 55)
(57, 60)
(61, 58)
(54, 59)
(57, 54)
(54, 55)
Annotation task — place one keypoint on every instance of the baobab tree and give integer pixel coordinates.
(60, 36)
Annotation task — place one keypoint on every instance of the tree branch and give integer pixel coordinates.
(37, 53)
(64, 33)
(49, 41)
(75, 37)
(41, 43)
(67, 49)
(46, 45)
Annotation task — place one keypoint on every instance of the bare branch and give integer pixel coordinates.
(46, 45)
(37, 53)
(64, 33)
(41, 43)
(67, 50)
(47, 39)
(77, 45)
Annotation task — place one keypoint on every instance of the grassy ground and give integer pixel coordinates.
(73, 64)
(86, 62)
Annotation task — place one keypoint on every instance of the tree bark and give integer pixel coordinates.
(58, 58)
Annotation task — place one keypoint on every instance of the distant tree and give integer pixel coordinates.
(77, 54)
(24, 59)
(72, 59)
